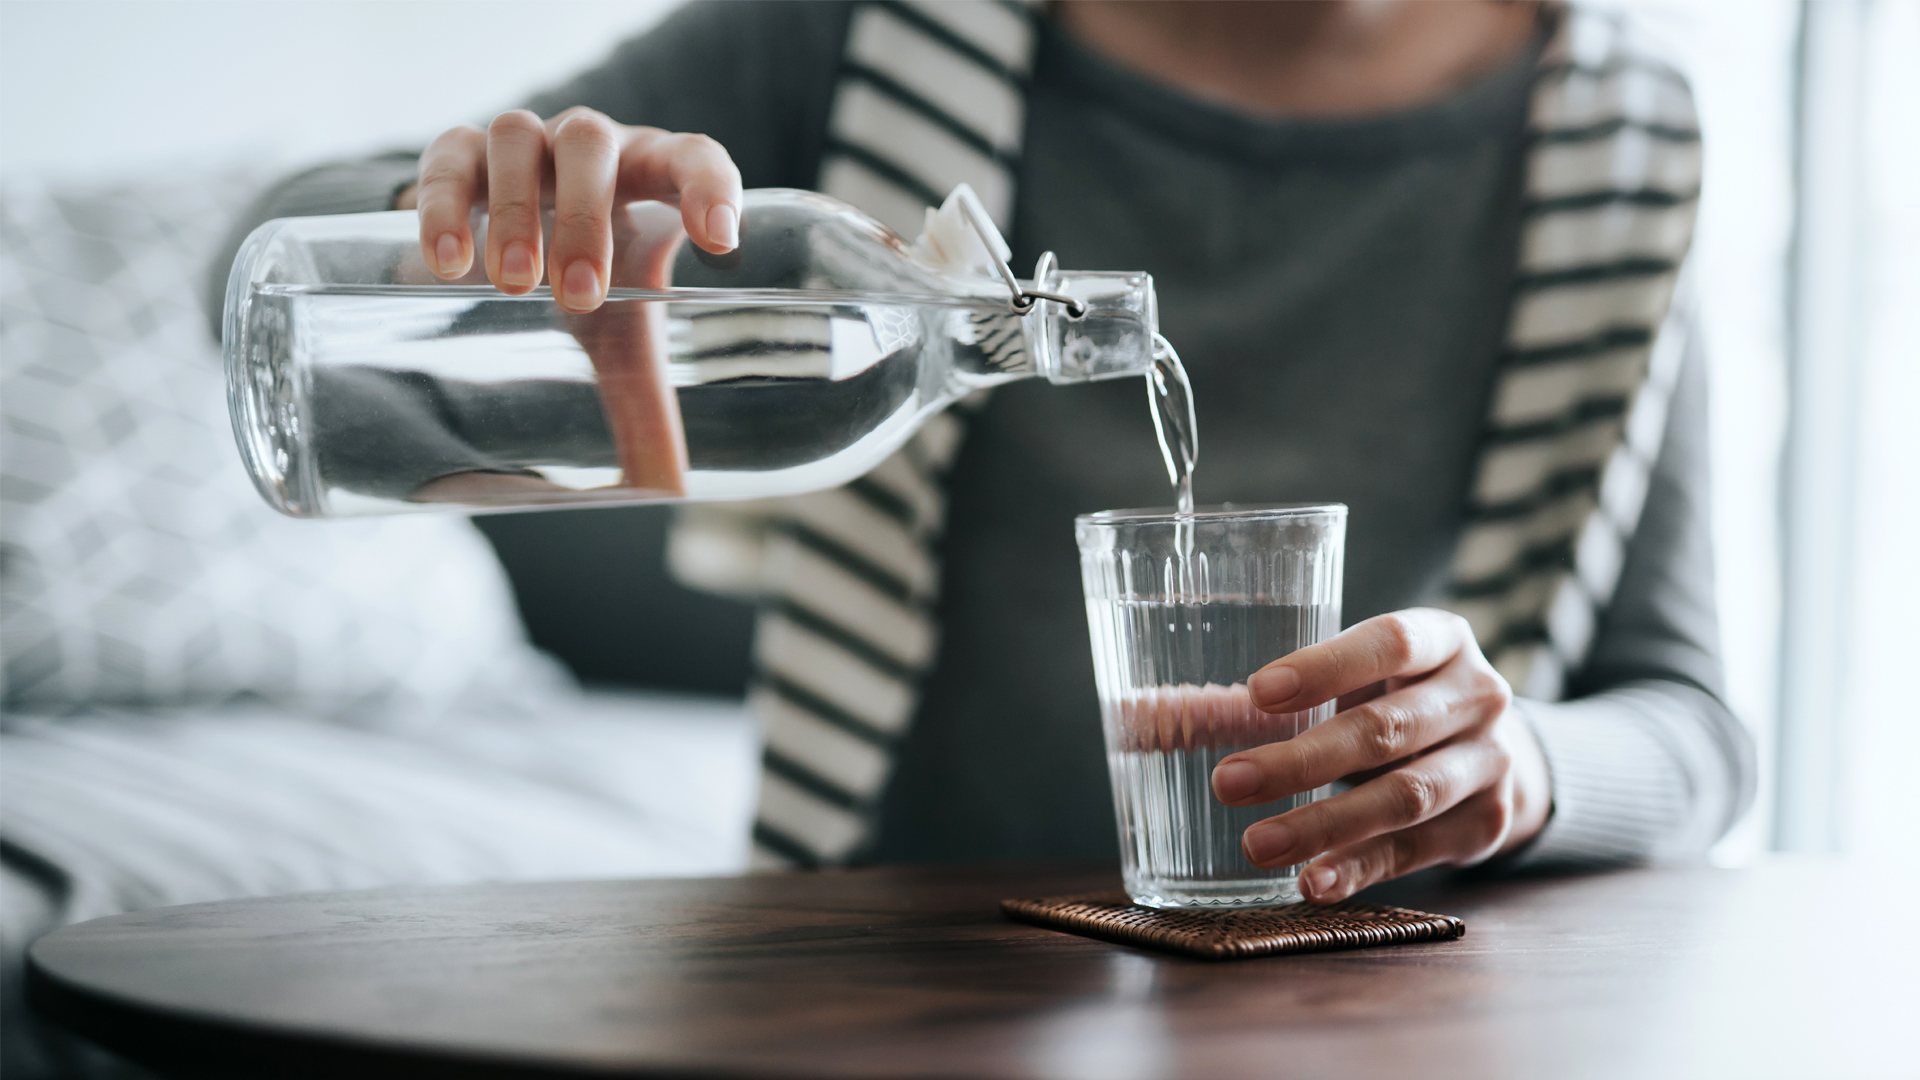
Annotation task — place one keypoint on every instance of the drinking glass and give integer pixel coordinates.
(1182, 609)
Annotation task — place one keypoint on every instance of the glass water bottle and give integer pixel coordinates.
(359, 383)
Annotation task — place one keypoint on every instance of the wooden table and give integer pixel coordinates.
(1790, 969)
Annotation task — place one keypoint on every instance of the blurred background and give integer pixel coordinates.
(1807, 261)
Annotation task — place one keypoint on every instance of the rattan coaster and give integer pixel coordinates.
(1234, 935)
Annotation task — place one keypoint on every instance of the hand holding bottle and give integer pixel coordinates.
(583, 165)
(794, 366)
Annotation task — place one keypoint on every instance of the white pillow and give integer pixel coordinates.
(140, 568)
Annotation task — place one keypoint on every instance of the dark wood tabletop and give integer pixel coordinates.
(1771, 971)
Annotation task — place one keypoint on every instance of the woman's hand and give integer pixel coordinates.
(583, 165)
(1445, 769)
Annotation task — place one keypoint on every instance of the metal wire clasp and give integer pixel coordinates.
(1023, 299)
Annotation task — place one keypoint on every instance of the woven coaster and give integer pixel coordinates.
(1234, 935)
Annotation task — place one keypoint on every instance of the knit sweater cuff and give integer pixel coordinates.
(353, 187)
(1615, 795)
(348, 187)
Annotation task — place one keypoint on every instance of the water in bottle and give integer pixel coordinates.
(359, 383)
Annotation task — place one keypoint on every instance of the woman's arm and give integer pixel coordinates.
(757, 77)
(1645, 762)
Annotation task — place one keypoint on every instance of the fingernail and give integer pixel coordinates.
(723, 226)
(1321, 881)
(1271, 686)
(1266, 841)
(447, 251)
(580, 287)
(517, 266)
(1235, 780)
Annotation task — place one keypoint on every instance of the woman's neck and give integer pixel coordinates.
(1306, 57)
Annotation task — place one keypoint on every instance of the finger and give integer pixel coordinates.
(1418, 791)
(1462, 696)
(516, 165)
(452, 171)
(1398, 644)
(1467, 834)
(692, 171)
(586, 163)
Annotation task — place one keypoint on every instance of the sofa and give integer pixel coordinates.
(204, 700)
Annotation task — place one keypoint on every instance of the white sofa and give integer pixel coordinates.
(204, 700)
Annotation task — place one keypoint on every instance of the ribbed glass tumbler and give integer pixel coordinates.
(1181, 610)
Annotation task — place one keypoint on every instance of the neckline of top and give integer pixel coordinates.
(1483, 107)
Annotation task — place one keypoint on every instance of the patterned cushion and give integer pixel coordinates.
(140, 568)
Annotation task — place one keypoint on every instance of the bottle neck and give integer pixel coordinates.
(1112, 336)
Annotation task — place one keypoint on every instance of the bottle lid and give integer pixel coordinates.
(953, 244)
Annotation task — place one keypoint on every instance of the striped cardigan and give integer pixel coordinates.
(932, 94)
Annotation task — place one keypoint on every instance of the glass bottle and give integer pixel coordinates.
(359, 383)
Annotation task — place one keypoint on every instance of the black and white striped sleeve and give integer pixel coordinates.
(1648, 762)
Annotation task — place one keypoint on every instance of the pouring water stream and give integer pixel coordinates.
(1170, 402)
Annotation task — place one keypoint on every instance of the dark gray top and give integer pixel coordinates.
(1338, 289)
(1338, 292)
